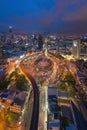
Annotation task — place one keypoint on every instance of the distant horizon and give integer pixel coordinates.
(37, 32)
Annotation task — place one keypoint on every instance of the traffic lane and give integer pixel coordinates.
(34, 120)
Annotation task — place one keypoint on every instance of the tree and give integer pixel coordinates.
(21, 83)
(70, 79)
(11, 117)
(4, 83)
(62, 86)
(65, 122)
(14, 74)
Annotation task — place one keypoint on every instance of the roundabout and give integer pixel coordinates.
(45, 69)
(43, 64)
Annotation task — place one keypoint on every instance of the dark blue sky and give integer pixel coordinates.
(61, 16)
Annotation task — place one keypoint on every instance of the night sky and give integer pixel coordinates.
(51, 16)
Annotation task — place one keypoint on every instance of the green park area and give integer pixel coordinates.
(19, 81)
(11, 118)
(68, 85)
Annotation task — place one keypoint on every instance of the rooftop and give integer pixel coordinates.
(54, 122)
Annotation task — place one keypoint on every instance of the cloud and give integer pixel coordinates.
(46, 15)
(79, 15)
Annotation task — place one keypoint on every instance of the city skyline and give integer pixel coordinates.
(43, 81)
(51, 16)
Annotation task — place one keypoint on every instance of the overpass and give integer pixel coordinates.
(35, 114)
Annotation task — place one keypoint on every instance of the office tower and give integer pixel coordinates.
(2, 38)
(34, 38)
(76, 48)
(40, 42)
(83, 47)
(10, 29)
(10, 32)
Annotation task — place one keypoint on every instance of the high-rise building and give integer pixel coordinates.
(10, 32)
(76, 48)
(83, 47)
(40, 42)
(2, 38)
(79, 48)
(10, 29)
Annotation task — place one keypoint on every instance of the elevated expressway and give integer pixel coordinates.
(35, 114)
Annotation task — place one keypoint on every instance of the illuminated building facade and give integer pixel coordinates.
(76, 48)
(10, 32)
(83, 47)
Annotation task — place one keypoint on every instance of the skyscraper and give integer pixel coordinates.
(40, 42)
(10, 29)
(76, 48)
(83, 47)
(10, 33)
(2, 38)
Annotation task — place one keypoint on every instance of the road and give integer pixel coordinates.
(35, 115)
(81, 123)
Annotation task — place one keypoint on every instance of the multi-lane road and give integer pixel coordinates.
(34, 121)
(35, 115)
